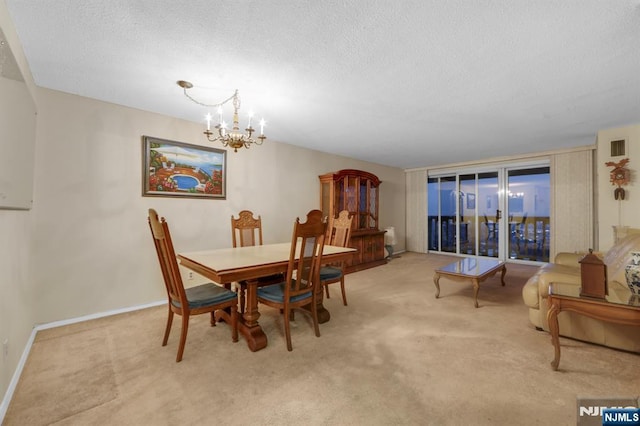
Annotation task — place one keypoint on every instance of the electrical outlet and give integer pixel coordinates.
(190, 276)
(5, 348)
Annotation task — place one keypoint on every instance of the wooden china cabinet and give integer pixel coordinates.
(358, 192)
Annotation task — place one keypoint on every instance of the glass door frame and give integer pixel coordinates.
(503, 228)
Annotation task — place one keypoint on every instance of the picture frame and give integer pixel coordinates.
(471, 201)
(179, 169)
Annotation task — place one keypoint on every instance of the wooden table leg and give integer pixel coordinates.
(323, 314)
(436, 281)
(504, 272)
(248, 323)
(554, 329)
(476, 288)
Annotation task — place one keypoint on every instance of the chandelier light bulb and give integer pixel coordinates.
(250, 117)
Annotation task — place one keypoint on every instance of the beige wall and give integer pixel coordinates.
(93, 247)
(18, 290)
(612, 212)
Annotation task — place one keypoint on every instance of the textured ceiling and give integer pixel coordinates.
(401, 83)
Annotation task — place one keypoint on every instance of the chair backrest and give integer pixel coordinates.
(521, 227)
(167, 258)
(341, 231)
(246, 230)
(305, 258)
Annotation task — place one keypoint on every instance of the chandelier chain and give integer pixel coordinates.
(210, 105)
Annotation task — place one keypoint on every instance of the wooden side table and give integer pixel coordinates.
(566, 297)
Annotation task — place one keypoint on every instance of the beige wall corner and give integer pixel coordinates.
(612, 212)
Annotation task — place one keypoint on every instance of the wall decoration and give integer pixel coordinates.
(177, 169)
(619, 176)
(471, 201)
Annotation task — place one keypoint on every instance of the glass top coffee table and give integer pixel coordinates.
(470, 268)
(619, 307)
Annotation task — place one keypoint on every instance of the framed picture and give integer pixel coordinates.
(177, 169)
(471, 201)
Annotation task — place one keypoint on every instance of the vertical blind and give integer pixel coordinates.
(416, 184)
(572, 201)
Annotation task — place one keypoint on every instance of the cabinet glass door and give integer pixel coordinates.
(373, 197)
(350, 195)
(363, 204)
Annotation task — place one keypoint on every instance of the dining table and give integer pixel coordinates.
(228, 265)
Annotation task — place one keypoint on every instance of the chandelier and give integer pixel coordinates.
(233, 138)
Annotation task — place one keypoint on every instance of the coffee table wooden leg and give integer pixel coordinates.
(554, 329)
(436, 281)
(504, 272)
(476, 288)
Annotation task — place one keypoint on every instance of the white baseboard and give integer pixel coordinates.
(98, 315)
(16, 376)
(25, 353)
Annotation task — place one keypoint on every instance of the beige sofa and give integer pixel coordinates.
(566, 269)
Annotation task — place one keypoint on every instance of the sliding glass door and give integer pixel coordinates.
(489, 214)
(502, 213)
(528, 194)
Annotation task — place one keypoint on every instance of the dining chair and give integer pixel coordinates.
(491, 239)
(298, 290)
(520, 232)
(491, 227)
(201, 299)
(339, 236)
(246, 231)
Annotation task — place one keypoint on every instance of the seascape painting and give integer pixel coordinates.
(178, 169)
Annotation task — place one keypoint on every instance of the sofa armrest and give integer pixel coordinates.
(550, 276)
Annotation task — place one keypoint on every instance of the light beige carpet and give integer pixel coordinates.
(394, 356)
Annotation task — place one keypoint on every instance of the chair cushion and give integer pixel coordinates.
(206, 295)
(275, 293)
(329, 273)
